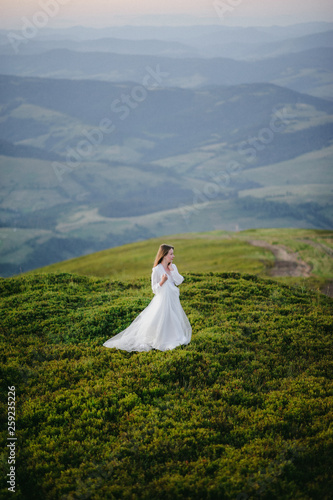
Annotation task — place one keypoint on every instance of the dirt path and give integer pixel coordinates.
(286, 263)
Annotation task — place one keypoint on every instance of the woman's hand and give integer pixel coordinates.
(164, 279)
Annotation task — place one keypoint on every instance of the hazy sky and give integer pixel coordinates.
(110, 12)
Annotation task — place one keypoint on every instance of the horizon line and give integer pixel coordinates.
(212, 24)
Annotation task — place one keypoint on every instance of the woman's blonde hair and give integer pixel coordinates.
(162, 252)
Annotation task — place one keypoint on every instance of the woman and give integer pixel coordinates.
(163, 324)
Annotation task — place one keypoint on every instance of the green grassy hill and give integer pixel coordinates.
(216, 251)
(243, 411)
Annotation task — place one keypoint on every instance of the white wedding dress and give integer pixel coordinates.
(163, 325)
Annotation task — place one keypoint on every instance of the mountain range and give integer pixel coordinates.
(248, 44)
(309, 71)
(119, 147)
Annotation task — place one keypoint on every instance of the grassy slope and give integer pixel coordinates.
(242, 411)
(218, 251)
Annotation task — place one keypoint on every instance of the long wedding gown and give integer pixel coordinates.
(163, 325)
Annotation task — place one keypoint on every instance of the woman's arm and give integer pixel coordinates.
(158, 278)
(177, 278)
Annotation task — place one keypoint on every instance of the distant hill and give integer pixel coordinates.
(245, 50)
(292, 45)
(112, 45)
(167, 117)
(16, 151)
(242, 44)
(307, 70)
(183, 33)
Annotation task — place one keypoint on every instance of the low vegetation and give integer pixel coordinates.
(243, 411)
